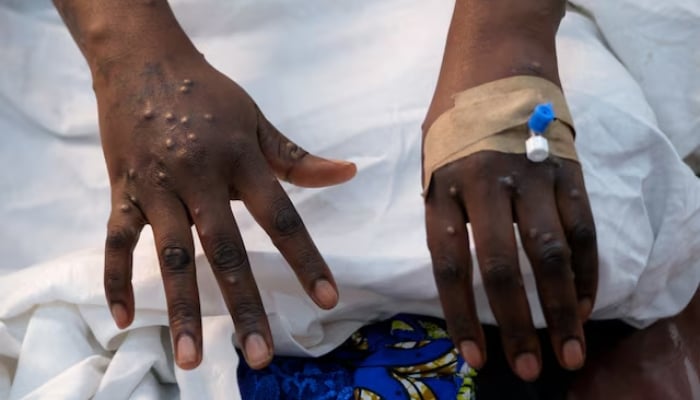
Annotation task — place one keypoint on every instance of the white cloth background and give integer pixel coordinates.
(346, 80)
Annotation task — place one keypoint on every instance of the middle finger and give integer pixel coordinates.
(545, 243)
(490, 213)
(173, 238)
(227, 255)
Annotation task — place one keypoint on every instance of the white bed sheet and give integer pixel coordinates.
(346, 80)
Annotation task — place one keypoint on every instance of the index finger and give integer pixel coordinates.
(272, 209)
(490, 212)
(448, 242)
(546, 246)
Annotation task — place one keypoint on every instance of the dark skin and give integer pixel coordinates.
(181, 140)
(487, 41)
(660, 362)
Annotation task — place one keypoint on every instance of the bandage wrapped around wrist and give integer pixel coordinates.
(494, 116)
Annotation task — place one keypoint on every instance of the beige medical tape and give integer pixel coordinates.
(494, 116)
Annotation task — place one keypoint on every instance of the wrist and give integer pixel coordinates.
(115, 35)
(490, 40)
(496, 39)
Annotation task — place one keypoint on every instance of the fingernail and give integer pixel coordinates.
(526, 367)
(471, 353)
(325, 294)
(572, 352)
(119, 314)
(186, 351)
(342, 162)
(585, 308)
(256, 350)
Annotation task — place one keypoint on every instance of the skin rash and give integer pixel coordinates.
(176, 157)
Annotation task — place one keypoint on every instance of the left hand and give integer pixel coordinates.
(487, 41)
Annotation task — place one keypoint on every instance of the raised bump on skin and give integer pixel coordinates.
(125, 208)
(187, 82)
(131, 174)
(161, 175)
(575, 194)
(532, 233)
(208, 117)
(148, 114)
(507, 181)
(196, 211)
(169, 117)
(191, 136)
(184, 89)
(132, 198)
(169, 143)
(453, 190)
(185, 120)
(294, 151)
(450, 230)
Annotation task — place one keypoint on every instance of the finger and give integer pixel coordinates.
(490, 213)
(546, 246)
(579, 227)
(293, 164)
(226, 253)
(175, 248)
(123, 229)
(448, 242)
(276, 214)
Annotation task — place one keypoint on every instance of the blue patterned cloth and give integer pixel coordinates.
(405, 357)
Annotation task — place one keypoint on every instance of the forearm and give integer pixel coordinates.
(495, 39)
(110, 32)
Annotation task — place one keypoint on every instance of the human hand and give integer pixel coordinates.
(548, 201)
(181, 140)
(490, 190)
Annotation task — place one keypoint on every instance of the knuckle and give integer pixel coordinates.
(500, 275)
(120, 238)
(286, 219)
(520, 338)
(481, 164)
(228, 258)
(182, 313)
(310, 265)
(561, 318)
(248, 314)
(238, 153)
(175, 259)
(461, 327)
(448, 271)
(194, 155)
(584, 234)
(553, 257)
(290, 151)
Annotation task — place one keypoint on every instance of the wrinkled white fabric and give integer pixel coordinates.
(345, 80)
(652, 39)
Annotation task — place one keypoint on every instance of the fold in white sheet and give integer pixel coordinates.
(346, 81)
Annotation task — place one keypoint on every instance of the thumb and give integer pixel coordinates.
(293, 164)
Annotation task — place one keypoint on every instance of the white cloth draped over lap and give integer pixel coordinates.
(349, 80)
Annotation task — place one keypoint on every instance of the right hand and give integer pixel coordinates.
(181, 140)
